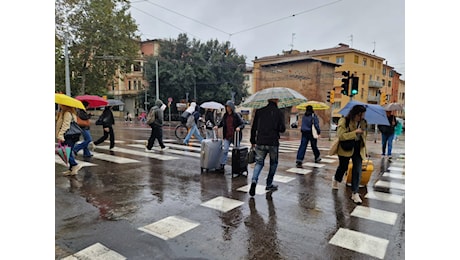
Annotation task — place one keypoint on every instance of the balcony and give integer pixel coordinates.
(372, 99)
(132, 92)
(375, 84)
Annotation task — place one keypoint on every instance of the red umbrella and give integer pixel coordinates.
(93, 100)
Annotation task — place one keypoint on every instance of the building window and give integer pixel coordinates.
(378, 65)
(389, 83)
(356, 59)
(139, 84)
(383, 82)
(391, 73)
(137, 66)
(363, 78)
(370, 77)
(372, 63)
(384, 71)
(340, 59)
(129, 84)
(364, 62)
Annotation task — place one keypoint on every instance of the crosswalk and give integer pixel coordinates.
(173, 226)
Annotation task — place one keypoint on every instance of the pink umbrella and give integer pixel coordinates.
(61, 151)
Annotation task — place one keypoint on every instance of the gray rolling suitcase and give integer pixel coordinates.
(211, 152)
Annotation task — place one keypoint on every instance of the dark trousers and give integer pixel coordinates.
(356, 171)
(307, 137)
(157, 133)
(105, 136)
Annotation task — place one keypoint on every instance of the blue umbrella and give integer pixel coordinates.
(375, 114)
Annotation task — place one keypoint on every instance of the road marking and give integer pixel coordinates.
(315, 165)
(222, 204)
(282, 179)
(360, 242)
(394, 175)
(389, 184)
(170, 227)
(58, 160)
(393, 198)
(139, 153)
(260, 189)
(396, 169)
(181, 152)
(113, 158)
(378, 215)
(299, 170)
(96, 251)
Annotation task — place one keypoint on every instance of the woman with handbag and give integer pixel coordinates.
(352, 135)
(65, 118)
(106, 120)
(310, 123)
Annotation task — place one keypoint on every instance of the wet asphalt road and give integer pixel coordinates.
(109, 202)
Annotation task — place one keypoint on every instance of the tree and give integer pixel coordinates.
(102, 42)
(213, 70)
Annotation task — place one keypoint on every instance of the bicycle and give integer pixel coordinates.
(181, 130)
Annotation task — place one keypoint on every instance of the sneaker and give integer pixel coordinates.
(389, 157)
(356, 199)
(335, 184)
(165, 148)
(272, 187)
(148, 151)
(75, 169)
(67, 173)
(298, 164)
(318, 160)
(91, 146)
(252, 190)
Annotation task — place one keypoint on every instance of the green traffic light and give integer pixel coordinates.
(354, 91)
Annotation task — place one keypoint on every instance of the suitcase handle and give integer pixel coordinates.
(236, 139)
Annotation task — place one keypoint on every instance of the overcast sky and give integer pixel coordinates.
(267, 27)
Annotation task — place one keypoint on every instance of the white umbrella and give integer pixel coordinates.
(393, 107)
(212, 105)
(286, 97)
(114, 102)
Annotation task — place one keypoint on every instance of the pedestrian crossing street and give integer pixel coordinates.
(174, 226)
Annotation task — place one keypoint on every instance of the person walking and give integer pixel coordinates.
(194, 111)
(388, 134)
(64, 118)
(157, 126)
(352, 127)
(267, 125)
(398, 129)
(106, 120)
(231, 122)
(309, 120)
(210, 122)
(87, 139)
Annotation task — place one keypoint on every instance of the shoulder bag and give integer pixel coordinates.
(347, 145)
(313, 128)
(74, 130)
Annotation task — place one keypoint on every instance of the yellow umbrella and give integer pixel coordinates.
(68, 101)
(317, 105)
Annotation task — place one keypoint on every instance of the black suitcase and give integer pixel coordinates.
(239, 158)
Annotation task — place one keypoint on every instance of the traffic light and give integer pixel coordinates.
(345, 82)
(383, 98)
(354, 85)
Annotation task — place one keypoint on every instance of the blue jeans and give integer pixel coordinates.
(306, 137)
(356, 170)
(195, 132)
(387, 139)
(227, 143)
(84, 145)
(261, 153)
(71, 142)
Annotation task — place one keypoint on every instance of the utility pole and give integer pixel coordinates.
(157, 90)
(67, 73)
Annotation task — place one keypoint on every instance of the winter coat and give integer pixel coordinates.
(344, 134)
(237, 121)
(63, 124)
(307, 123)
(267, 125)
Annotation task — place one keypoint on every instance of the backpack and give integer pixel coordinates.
(184, 117)
(190, 121)
(151, 116)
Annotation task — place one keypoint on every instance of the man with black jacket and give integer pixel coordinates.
(265, 134)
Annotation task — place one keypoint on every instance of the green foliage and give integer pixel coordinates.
(102, 40)
(213, 69)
